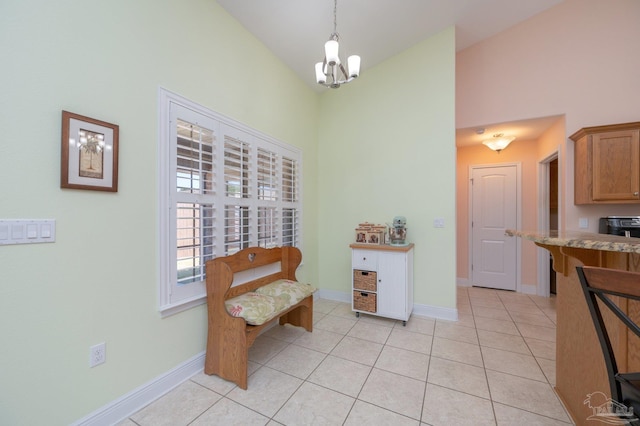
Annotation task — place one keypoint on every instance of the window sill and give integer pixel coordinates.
(176, 308)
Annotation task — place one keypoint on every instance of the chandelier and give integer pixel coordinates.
(331, 71)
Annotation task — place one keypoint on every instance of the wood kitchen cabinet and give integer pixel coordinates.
(607, 164)
(382, 280)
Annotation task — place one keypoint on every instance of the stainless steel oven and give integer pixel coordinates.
(627, 226)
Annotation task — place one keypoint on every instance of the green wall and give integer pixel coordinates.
(98, 281)
(379, 147)
(387, 148)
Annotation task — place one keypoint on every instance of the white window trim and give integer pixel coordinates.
(166, 184)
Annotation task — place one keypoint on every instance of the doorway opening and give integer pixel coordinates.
(548, 215)
(553, 215)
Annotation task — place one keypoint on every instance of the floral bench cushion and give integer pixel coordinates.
(291, 291)
(268, 301)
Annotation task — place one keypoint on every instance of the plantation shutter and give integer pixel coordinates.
(193, 199)
(222, 187)
(237, 181)
(290, 202)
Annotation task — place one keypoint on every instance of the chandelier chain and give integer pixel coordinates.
(335, 17)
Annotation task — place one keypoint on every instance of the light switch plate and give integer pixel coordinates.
(32, 230)
(27, 231)
(4, 232)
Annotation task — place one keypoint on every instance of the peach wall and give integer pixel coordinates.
(523, 152)
(550, 142)
(551, 139)
(579, 59)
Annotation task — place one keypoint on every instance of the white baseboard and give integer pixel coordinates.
(463, 282)
(338, 296)
(524, 288)
(450, 314)
(529, 289)
(438, 312)
(139, 398)
(134, 401)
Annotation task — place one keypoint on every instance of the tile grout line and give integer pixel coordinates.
(333, 312)
(486, 377)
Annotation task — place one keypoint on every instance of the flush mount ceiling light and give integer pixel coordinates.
(331, 71)
(498, 142)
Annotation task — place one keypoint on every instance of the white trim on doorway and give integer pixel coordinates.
(543, 272)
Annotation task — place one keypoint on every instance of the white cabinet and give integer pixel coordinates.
(382, 280)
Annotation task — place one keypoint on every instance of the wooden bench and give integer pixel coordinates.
(229, 337)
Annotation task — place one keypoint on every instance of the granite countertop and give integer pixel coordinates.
(585, 240)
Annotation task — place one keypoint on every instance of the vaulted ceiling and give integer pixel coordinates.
(296, 30)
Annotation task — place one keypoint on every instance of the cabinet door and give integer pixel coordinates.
(392, 285)
(616, 165)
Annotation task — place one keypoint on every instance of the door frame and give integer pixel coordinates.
(543, 272)
(518, 166)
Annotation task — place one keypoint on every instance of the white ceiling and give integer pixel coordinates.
(524, 130)
(296, 30)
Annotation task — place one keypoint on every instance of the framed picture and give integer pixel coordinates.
(89, 153)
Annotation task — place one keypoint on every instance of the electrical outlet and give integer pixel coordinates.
(97, 354)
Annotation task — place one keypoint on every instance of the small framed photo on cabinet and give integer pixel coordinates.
(89, 153)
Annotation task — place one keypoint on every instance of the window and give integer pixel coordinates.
(222, 187)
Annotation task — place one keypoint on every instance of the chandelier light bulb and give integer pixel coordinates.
(320, 77)
(331, 52)
(353, 63)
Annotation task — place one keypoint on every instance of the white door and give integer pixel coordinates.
(494, 198)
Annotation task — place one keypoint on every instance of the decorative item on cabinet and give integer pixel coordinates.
(398, 231)
(607, 164)
(368, 233)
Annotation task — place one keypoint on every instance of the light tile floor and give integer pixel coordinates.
(495, 366)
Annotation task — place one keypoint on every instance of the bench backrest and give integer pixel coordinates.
(220, 271)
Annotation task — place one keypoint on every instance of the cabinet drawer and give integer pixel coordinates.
(366, 260)
(363, 301)
(365, 280)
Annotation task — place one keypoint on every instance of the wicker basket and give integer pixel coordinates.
(363, 301)
(365, 280)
